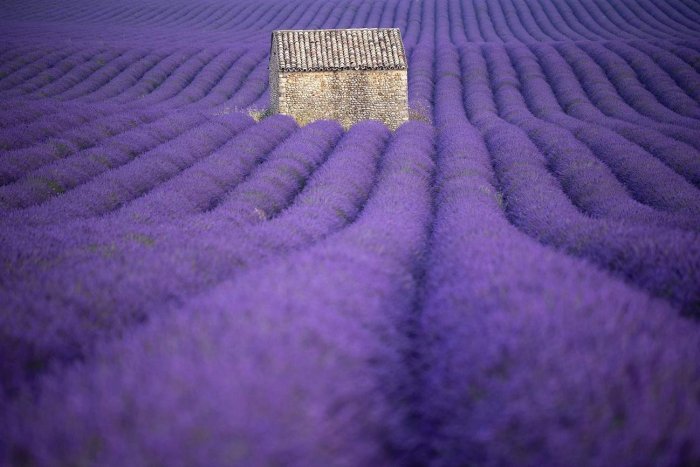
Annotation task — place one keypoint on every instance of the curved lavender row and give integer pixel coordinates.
(562, 21)
(622, 19)
(238, 88)
(31, 125)
(686, 53)
(35, 66)
(659, 15)
(663, 261)
(119, 185)
(199, 186)
(532, 25)
(533, 358)
(648, 256)
(524, 25)
(64, 174)
(160, 72)
(568, 20)
(605, 97)
(496, 14)
(576, 14)
(173, 84)
(681, 12)
(548, 22)
(571, 97)
(484, 22)
(203, 86)
(642, 18)
(640, 171)
(420, 76)
(51, 273)
(197, 87)
(638, 168)
(130, 74)
(21, 67)
(10, 51)
(69, 122)
(101, 76)
(583, 12)
(561, 29)
(252, 85)
(642, 21)
(463, 28)
(21, 111)
(653, 77)
(153, 78)
(552, 19)
(591, 184)
(83, 126)
(81, 68)
(537, 20)
(568, 155)
(632, 90)
(333, 196)
(258, 101)
(281, 176)
(18, 55)
(18, 164)
(335, 313)
(681, 73)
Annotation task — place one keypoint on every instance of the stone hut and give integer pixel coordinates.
(340, 74)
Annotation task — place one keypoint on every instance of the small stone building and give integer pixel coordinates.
(340, 74)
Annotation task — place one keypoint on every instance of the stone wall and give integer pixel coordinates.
(274, 83)
(346, 95)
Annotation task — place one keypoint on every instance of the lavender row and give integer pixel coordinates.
(338, 349)
(645, 178)
(103, 73)
(52, 152)
(680, 71)
(280, 177)
(572, 98)
(62, 171)
(660, 260)
(200, 186)
(54, 125)
(30, 65)
(537, 205)
(634, 91)
(53, 272)
(78, 69)
(495, 21)
(506, 319)
(532, 357)
(663, 86)
(135, 176)
(606, 97)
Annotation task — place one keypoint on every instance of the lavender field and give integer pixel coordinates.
(510, 278)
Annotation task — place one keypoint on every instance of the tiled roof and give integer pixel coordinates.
(339, 49)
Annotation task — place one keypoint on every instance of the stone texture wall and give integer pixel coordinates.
(274, 83)
(345, 95)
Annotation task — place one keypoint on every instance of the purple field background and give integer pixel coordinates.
(511, 278)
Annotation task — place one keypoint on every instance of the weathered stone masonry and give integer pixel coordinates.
(341, 74)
